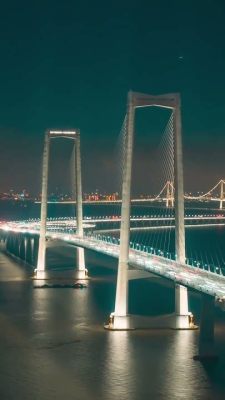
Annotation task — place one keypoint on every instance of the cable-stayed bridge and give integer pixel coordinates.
(209, 284)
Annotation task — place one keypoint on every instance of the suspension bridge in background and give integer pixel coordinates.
(166, 195)
(133, 262)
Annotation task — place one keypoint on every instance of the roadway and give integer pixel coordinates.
(89, 221)
(192, 277)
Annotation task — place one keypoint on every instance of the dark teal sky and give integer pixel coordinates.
(71, 63)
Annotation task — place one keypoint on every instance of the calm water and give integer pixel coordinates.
(53, 345)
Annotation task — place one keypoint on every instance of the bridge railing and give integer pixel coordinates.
(158, 252)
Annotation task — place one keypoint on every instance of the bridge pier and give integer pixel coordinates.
(21, 246)
(182, 315)
(22, 249)
(32, 250)
(206, 350)
(19, 241)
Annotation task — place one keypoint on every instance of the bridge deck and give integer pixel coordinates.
(186, 275)
(191, 277)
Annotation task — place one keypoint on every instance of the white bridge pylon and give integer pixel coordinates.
(75, 136)
(120, 318)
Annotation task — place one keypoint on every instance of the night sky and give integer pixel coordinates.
(71, 63)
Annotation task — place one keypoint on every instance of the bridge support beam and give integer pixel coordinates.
(181, 294)
(40, 272)
(120, 317)
(79, 206)
(206, 350)
(134, 274)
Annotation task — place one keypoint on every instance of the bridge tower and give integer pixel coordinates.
(222, 197)
(120, 318)
(169, 194)
(75, 136)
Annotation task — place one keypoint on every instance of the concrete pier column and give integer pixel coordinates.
(181, 294)
(44, 200)
(16, 246)
(7, 243)
(206, 335)
(32, 250)
(29, 251)
(19, 245)
(25, 248)
(120, 319)
(22, 249)
(35, 250)
(79, 205)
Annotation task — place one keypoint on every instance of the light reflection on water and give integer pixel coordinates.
(180, 370)
(119, 373)
(53, 346)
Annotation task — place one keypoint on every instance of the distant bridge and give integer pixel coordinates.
(166, 195)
